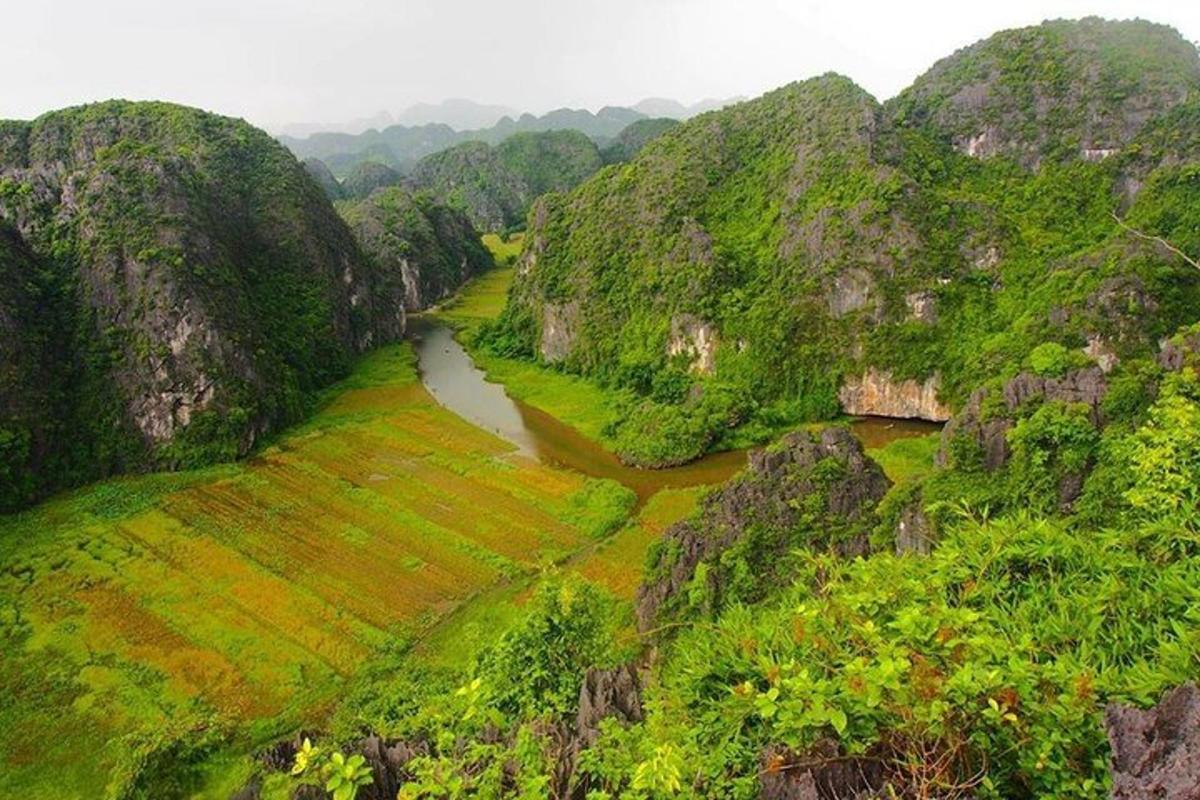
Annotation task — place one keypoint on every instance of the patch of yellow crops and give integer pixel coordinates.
(618, 562)
(247, 591)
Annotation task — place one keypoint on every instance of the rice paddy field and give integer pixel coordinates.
(241, 597)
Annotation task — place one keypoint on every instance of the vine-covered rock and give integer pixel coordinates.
(496, 185)
(423, 249)
(828, 241)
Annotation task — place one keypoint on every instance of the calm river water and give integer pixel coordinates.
(454, 381)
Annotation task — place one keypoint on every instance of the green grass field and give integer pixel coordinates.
(241, 597)
(505, 252)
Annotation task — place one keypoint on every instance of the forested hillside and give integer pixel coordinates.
(439, 587)
(429, 248)
(176, 286)
(495, 186)
(401, 147)
(812, 250)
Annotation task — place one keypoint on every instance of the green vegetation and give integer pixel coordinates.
(812, 233)
(426, 250)
(400, 147)
(630, 141)
(192, 296)
(495, 186)
(505, 252)
(983, 666)
(579, 402)
(147, 620)
(942, 617)
(366, 178)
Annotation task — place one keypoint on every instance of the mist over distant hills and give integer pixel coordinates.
(425, 128)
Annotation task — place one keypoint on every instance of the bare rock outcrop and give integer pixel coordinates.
(853, 290)
(783, 485)
(189, 269)
(697, 340)
(1156, 753)
(875, 393)
(560, 323)
(823, 773)
(914, 530)
(605, 694)
(989, 429)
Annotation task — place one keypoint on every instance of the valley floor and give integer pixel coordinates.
(144, 608)
(245, 599)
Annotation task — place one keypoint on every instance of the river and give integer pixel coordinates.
(454, 381)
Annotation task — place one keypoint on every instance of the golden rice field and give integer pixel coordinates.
(617, 562)
(244, 595)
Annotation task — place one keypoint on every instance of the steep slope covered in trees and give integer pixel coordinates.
(401, 147)
(183, 285)
(811, 250)
(629, 142)
(496, 185)
(429, 248)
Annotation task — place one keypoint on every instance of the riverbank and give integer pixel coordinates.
(586, 407)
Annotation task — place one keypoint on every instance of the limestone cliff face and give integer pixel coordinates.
(560, 323)
(875, 393)
(196, 283)
(696, 340)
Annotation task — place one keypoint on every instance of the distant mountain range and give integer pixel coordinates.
(673, 109)
(425, 128)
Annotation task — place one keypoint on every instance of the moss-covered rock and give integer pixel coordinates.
(185, 284)
(496, 185)
(821, 236)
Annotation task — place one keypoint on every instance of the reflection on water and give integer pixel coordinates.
(451, 377)
(876, 432)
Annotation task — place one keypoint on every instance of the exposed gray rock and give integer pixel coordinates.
(852, 290)
(1086, 386)
(1099, 350)
(560, 323)
(770, 496)
(1179, 351)
(914, 531)
(606, 694)
(251, 791)
(388, 761)
(922, 307)
(1156, 753)
(823, 773)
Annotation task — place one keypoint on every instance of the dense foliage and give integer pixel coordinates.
(630, 141)
(980, 670)
(496, 185)
(401, 147)
(367, 177)
(815, 234)
(425, 249)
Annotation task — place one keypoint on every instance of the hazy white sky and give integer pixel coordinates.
(281, 61)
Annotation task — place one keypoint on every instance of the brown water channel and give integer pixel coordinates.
(455, 382)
